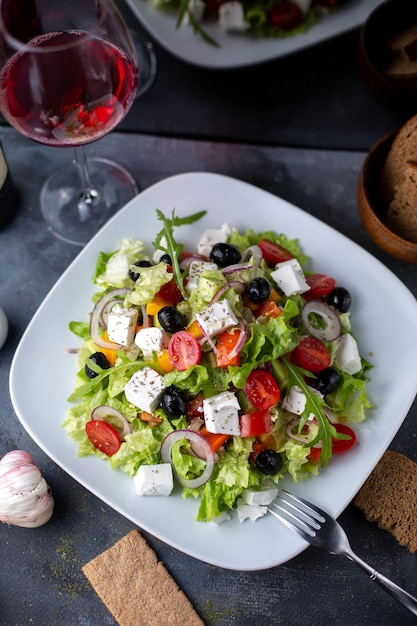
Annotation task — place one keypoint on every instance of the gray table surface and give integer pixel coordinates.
(300, 128)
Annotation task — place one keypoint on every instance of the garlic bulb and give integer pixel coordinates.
(25, 497)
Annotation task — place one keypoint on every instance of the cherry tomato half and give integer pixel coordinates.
(286, 16)
(255, 423)
(320, 286)
(311, 354)
(184, 350)
(338, 445)
(272, 252)
(103, 436)
(341, 445)
(262, 389)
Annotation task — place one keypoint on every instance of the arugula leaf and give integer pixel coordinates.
(173, 248)
(314, 405)
(197, 29)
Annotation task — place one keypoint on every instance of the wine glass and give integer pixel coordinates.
(68, 76)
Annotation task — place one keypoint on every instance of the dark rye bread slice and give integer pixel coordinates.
(389, 497)
(136, 588)
(401, 216)
(403, 150)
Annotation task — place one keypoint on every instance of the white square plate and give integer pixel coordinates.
(384, 316)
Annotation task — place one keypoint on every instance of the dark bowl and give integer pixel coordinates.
(374, 54)
(371, 206)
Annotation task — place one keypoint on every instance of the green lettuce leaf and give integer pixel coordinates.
(113, 270)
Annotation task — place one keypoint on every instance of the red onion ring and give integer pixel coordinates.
(120, 423)
(333, 326)
(106, 311)
(146, 322)
(295, 435)
(189, 259)
(243, 334)
(207, 338)
(255, 252)
(197, 440)
(238, 267)
(96, 318)
(237, 285)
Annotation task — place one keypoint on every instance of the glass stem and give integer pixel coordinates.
(89, 197)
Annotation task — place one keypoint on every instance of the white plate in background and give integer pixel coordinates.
(239, 49)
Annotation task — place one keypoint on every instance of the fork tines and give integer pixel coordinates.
(297, 514)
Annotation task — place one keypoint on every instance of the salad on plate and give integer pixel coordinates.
(218, 370)
(260, 18)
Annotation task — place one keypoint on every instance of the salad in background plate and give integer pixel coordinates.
(262, 18)
(222, 369)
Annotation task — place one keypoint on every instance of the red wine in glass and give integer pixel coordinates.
(83, 91)
(68, 76)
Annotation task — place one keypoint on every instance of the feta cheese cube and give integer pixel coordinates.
(221, 414)
(259, 498)
(195, 269)
(245, 511)
(211, 237)
(294, 401)
(232, 17)
(154, 480)
(289, 277)
(121, 324)
(347, 357)
(145, 389)
(151, 340)
(216, 317)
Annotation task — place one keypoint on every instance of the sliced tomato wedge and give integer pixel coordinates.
(184, 350)
(226, 342)
(286, 16)
(103, 436)
(170, 292)
(272, 252)
(311, 354)
(262, 389)
(320, 286)
(338, 445)
(255, 423)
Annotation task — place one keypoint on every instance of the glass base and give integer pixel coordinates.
(75, 217)
(147, 63)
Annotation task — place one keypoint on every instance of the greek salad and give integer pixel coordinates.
(216, 371)
(262, 18)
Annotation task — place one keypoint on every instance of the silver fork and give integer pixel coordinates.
(323, 531)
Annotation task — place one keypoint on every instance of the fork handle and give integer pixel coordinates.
(405, 598)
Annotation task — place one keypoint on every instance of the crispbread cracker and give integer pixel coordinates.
(136, 588)
(389, 497)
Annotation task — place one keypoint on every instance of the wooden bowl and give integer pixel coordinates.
(374, 54)
(371, 206)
